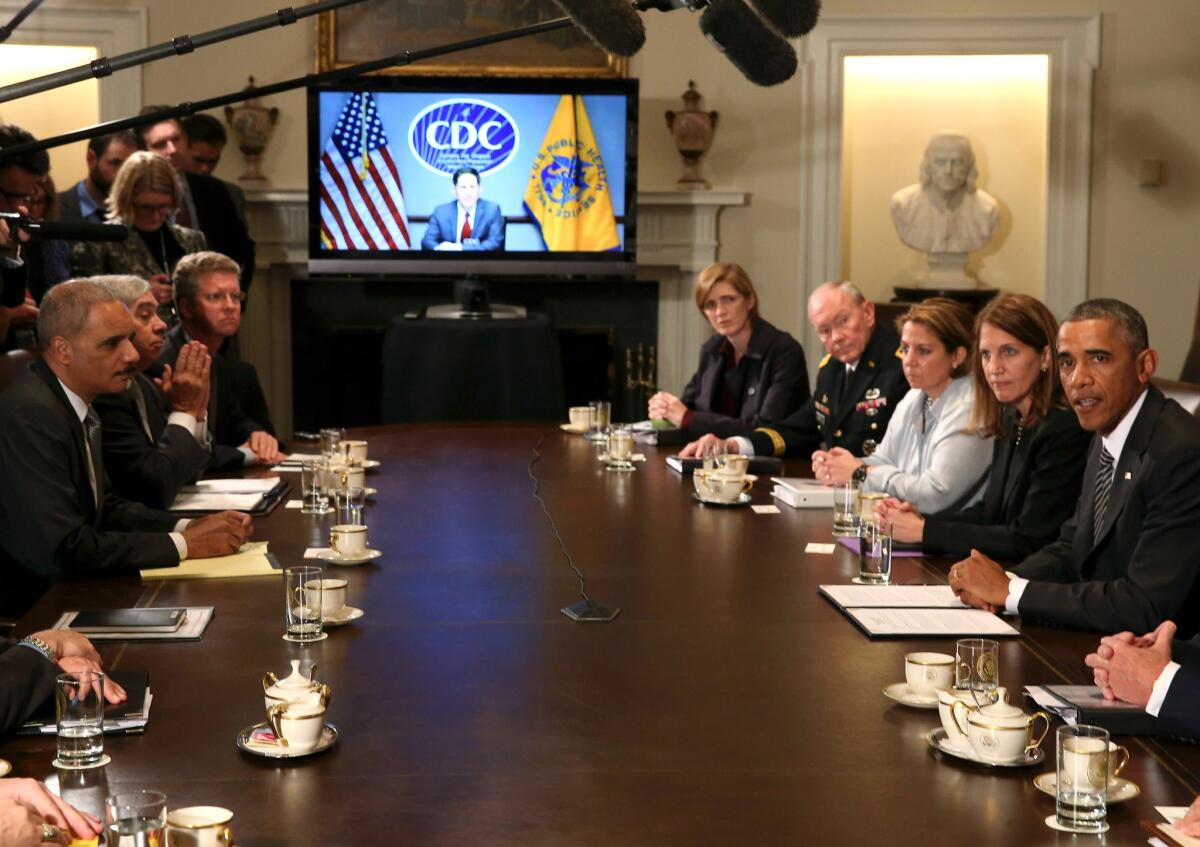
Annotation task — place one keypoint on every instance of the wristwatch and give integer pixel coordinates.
(860, 474)
(35, 643)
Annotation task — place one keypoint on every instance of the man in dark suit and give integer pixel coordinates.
(1124, 560)
(59, 515)
(204, 143)
(210, 312)
(86, 200)
(1155, 672)
(468, 222)
(859, 383)
(207, 204)
(155, 436)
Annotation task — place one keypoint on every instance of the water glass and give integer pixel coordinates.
(331, 440)
(302, 603)
(135, 819)
(620, 445)
(600, 412)
(867, 501)
(874, 553)
(1081, 793)
(846, 516)
(350, 500)
(79, 707)
(713, 455)
(977, 667)
(312, 486)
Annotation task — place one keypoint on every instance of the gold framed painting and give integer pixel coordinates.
(374, 30)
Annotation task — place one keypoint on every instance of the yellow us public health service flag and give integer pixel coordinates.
(568, 191)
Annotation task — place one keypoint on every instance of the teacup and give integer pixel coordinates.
(348, 540)
(355, 452)
(1000, 733)
(580, 417)
(928, 673)
(946, 700)
(725, 488)
(1084, 763)
(333, 596)
(297, 726)
(199, 826)
(347, 476)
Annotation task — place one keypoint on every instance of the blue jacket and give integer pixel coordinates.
(487, 227)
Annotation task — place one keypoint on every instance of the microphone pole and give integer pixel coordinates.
(9, 28)
(177, 46)
(188, 108)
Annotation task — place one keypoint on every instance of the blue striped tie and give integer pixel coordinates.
(1104, 478)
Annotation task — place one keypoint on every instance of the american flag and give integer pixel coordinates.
(362, 200)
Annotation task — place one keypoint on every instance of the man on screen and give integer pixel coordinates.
(467, 223)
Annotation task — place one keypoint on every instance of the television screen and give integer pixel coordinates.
(452, 175)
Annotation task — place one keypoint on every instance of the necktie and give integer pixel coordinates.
(91, 430)
(466, 230)
(1104, 478)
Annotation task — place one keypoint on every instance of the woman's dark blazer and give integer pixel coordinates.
(776, 383)
(1026, 502)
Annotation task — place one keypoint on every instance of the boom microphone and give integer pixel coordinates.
(66, 230)
(612, 25)
(763, 57)
(790, 18)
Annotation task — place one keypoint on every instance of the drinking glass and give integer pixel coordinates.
(601, 415)
(79, 708)
(1081, 793)
(846, 516)
(302, 603)
(331, 440)
(135, 819)
(620, 446)
(350, 500)
(977, 667)
(867, 501)
(713, 455)
(312, 486)
(874, 553)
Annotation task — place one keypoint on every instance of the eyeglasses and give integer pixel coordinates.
(221, 296)
(17, 199)
(153, 208)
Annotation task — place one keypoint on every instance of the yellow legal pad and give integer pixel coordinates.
(251, 560)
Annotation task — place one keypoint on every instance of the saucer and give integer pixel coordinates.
(333, 558)
(1053, 823)
(1119, 790)
(270, 750)
(742, 500)
(901, 693)
(636, 457)
(937, 740)
(99, 763)
(5, 768)
(370, 492)
(345, 615)
(368, 464)
(573, 429)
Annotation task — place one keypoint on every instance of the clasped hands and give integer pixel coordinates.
(834, 467)
(980, 582)
(666, 406)
(1126, 667)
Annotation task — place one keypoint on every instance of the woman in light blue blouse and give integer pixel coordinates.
(927, 457)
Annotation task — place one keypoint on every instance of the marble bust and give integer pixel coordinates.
(945, 212)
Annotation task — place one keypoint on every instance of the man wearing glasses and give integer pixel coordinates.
(20, 185)
(209, 301)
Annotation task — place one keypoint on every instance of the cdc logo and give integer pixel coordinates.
(463, 133)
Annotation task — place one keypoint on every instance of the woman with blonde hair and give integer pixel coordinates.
(750, 372)
(927, 456)
(145, 195)
(1039, 452)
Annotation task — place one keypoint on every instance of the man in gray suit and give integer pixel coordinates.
(86, 200)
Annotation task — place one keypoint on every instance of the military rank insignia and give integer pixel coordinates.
(871, 403)
(822, 409)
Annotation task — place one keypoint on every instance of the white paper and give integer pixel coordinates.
(232, 486)
(822, 549)
(297, 458)
(1171, 813)
(765, 510)
(1052, 704)
(214, 502)
(893, 596)
(943, 622)
(286, 468)
(315, 552)
(294, 504)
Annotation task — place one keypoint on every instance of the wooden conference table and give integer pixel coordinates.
(728, 704)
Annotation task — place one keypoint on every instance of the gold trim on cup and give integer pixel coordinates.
(199, 825)
(933, 664)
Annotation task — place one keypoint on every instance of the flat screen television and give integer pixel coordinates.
(546, 176)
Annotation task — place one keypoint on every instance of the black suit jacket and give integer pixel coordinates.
(775, 385)
(228, 423)
(26, 681)
(218, 219)
(147, 466)
(1031, 493)
(848, 418)
(69, 210)
(50, 526)
(1143, 569)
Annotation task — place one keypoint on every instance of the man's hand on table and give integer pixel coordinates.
(217, 535)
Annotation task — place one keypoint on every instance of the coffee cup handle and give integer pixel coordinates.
(954, 715)
(1123, 755)
(225, 836)
(1029, 748)
(273, 715)
(298, 596)
(747, 484)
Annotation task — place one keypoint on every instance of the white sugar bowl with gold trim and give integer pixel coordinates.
(294, 688)
(1000, 732)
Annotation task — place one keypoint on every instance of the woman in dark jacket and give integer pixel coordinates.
(750, 372)
(1040, 449)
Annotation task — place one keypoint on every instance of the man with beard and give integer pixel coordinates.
(86, 200)
(59, 515)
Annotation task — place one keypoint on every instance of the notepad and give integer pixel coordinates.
(251, 560)
(257, 485)
(1174, 814)
(918, 623)
(893, 596)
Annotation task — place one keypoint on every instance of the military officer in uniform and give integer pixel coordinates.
(859, 383)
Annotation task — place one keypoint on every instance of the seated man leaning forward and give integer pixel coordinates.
(59, 515)
(1124, 560)
(859, 383)
(1155, 672)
